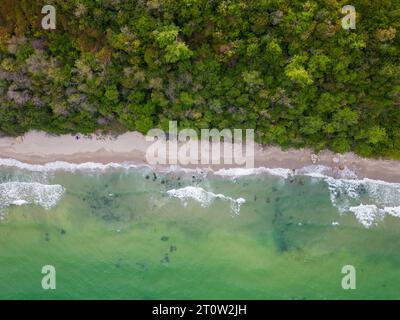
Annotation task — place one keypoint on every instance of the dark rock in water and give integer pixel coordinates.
(274, 189)
(362, 189)
(147, 177)
(164, 238)
(46, 237)
(280, 241)
(279, 225)
(154, 177)
(255, 198)
(141, 266)
(118, 264)
(105, 205)
(62, 231)
(268, 200)
(165, 260)
(277, 215)
(172, 248)
(110, 217)
(277, 199)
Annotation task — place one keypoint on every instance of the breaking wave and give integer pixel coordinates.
(238, 172)
(369, 200)
(23, 193)
(66, 166)
(205, 198)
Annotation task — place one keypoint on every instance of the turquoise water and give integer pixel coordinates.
(138, 234)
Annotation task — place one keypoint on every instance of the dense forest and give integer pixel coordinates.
(286, 68)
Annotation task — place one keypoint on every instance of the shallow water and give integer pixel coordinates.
(137, 234)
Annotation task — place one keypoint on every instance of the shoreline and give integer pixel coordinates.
(39, 148)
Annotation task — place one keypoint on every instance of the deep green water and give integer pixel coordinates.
(118, 234)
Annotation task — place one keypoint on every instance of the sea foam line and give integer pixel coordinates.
(67, 166)
(205, 198)
(344, 186)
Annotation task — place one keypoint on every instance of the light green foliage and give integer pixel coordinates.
(297, 73)
(177, 52)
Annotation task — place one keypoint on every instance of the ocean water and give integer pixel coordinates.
(126, 232)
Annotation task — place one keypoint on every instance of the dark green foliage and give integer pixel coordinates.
(285, 68)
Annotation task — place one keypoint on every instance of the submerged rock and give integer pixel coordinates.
(280, 225)
(165, 260)
(141, 266)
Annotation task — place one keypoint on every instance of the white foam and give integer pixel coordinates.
(393, 211)
(67, 166)
(239, 172)
(316, 171)
(320, 171)
(370, 215)
(205, 198)
(367, 215)
(23, 193)
(19, 202)
(347, 192)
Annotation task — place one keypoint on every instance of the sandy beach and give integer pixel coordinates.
(39, 148)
